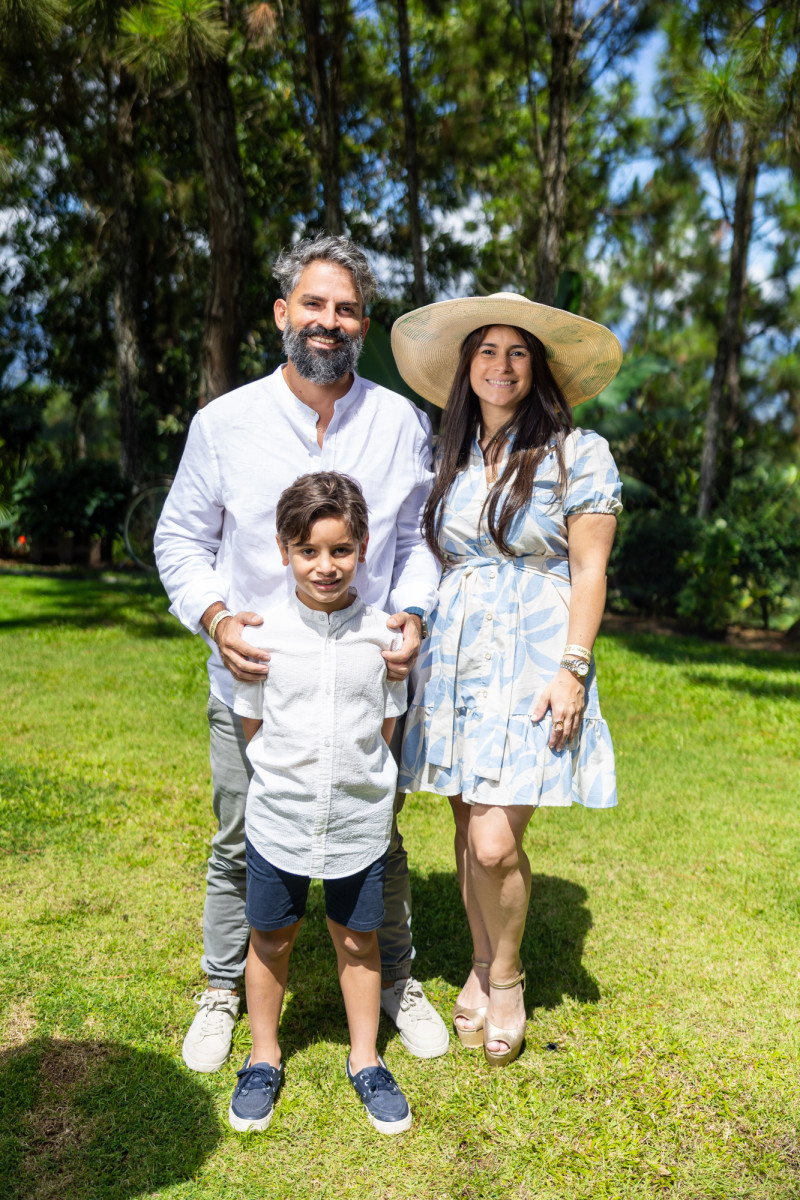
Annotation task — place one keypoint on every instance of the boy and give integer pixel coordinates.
(321, 797)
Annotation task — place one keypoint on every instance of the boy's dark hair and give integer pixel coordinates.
(314, 497)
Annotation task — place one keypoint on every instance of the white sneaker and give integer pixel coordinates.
(422, 1031)
(208, 1043)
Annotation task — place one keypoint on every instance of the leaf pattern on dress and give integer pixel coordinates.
(497, 634)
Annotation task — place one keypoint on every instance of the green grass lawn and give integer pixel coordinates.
(661, 945)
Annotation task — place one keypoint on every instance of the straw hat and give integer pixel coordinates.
(582, 355)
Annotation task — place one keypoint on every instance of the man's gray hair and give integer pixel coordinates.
(325, 247)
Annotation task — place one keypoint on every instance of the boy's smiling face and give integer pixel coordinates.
(324, 564)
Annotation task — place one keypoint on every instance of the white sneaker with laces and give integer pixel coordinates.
(422, 1031)
(208, 1043)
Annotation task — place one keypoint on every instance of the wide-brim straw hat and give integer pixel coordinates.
(583, 356)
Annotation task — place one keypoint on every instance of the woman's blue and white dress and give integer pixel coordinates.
(497, 635)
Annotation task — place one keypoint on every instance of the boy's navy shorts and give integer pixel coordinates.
(276, 898)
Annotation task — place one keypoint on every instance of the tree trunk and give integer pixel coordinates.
(126, 312)
(229, 237)
(324, 61)
(420, 287)
(554, 163)
(725, 382)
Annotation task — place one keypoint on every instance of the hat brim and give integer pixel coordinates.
(583, 356)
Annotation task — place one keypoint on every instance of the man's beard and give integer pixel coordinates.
(320, 366)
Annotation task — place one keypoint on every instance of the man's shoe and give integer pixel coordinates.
(208, 1043)
(422, 1031)
(385, 1105)
(253, 1101)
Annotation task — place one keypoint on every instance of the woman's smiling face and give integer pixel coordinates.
(501, 372)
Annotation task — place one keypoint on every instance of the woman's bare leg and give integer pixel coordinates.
(500, 877)
(475, 992)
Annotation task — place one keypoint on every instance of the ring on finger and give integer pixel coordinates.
(558, 725)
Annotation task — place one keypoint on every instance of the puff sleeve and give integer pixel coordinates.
(593, 482)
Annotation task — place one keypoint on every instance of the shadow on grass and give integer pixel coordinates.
(552, 945)
(39, 807)
(679, 648)
(137, 604)
(552, 952)
(91, 1120)
(762, 688)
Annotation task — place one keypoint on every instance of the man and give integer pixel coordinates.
(216, 553)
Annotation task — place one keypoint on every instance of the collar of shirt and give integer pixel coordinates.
(476, 454)
(306, 416)
(334, 620)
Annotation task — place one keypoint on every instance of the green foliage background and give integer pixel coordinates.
(98, 118)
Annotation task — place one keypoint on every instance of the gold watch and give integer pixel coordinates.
(576, 667)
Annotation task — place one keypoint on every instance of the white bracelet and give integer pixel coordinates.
(215, 620)
(578, 652)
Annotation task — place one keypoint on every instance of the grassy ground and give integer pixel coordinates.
(661, 945)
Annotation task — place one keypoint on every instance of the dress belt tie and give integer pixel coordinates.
(440, 692)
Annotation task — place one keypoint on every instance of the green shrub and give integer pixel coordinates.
(648, 568)
(713, 587)
(712, 573)
(84, 500)
(769, 535)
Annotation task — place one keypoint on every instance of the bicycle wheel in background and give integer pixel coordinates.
(140, 524)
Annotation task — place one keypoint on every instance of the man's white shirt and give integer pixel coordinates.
(216, 537)
(322, 794)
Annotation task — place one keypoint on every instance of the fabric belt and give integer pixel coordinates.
(440, 692)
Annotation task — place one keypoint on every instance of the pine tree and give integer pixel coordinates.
(189, 39)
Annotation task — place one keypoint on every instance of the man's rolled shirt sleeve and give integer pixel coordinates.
(189, 531)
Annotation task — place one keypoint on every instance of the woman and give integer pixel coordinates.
(505, 715)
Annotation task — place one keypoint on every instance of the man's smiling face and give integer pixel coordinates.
(323, 323)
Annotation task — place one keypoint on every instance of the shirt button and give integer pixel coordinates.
(488, 655)
(327, 742)
(493, 573)
(489, 617)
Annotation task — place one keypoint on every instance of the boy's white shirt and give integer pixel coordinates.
(321, 798)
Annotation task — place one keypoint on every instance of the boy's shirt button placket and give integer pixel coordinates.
(323, 801)
(317, 856)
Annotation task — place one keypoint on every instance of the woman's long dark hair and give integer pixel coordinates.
(542, 419)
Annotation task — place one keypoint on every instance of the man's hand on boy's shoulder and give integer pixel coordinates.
(399, 662)
(246, 662)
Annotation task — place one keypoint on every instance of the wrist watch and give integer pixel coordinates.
(419, 612)
(576, 667)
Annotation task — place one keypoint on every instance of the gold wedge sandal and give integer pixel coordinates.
(513, 1038)
(471, 1038)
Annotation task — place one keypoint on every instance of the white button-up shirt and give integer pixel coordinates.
(322, 794)
(216, 536)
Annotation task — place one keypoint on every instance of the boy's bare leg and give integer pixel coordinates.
(360, 980)
(265, 977)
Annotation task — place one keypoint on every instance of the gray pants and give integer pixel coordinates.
(225, 928)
